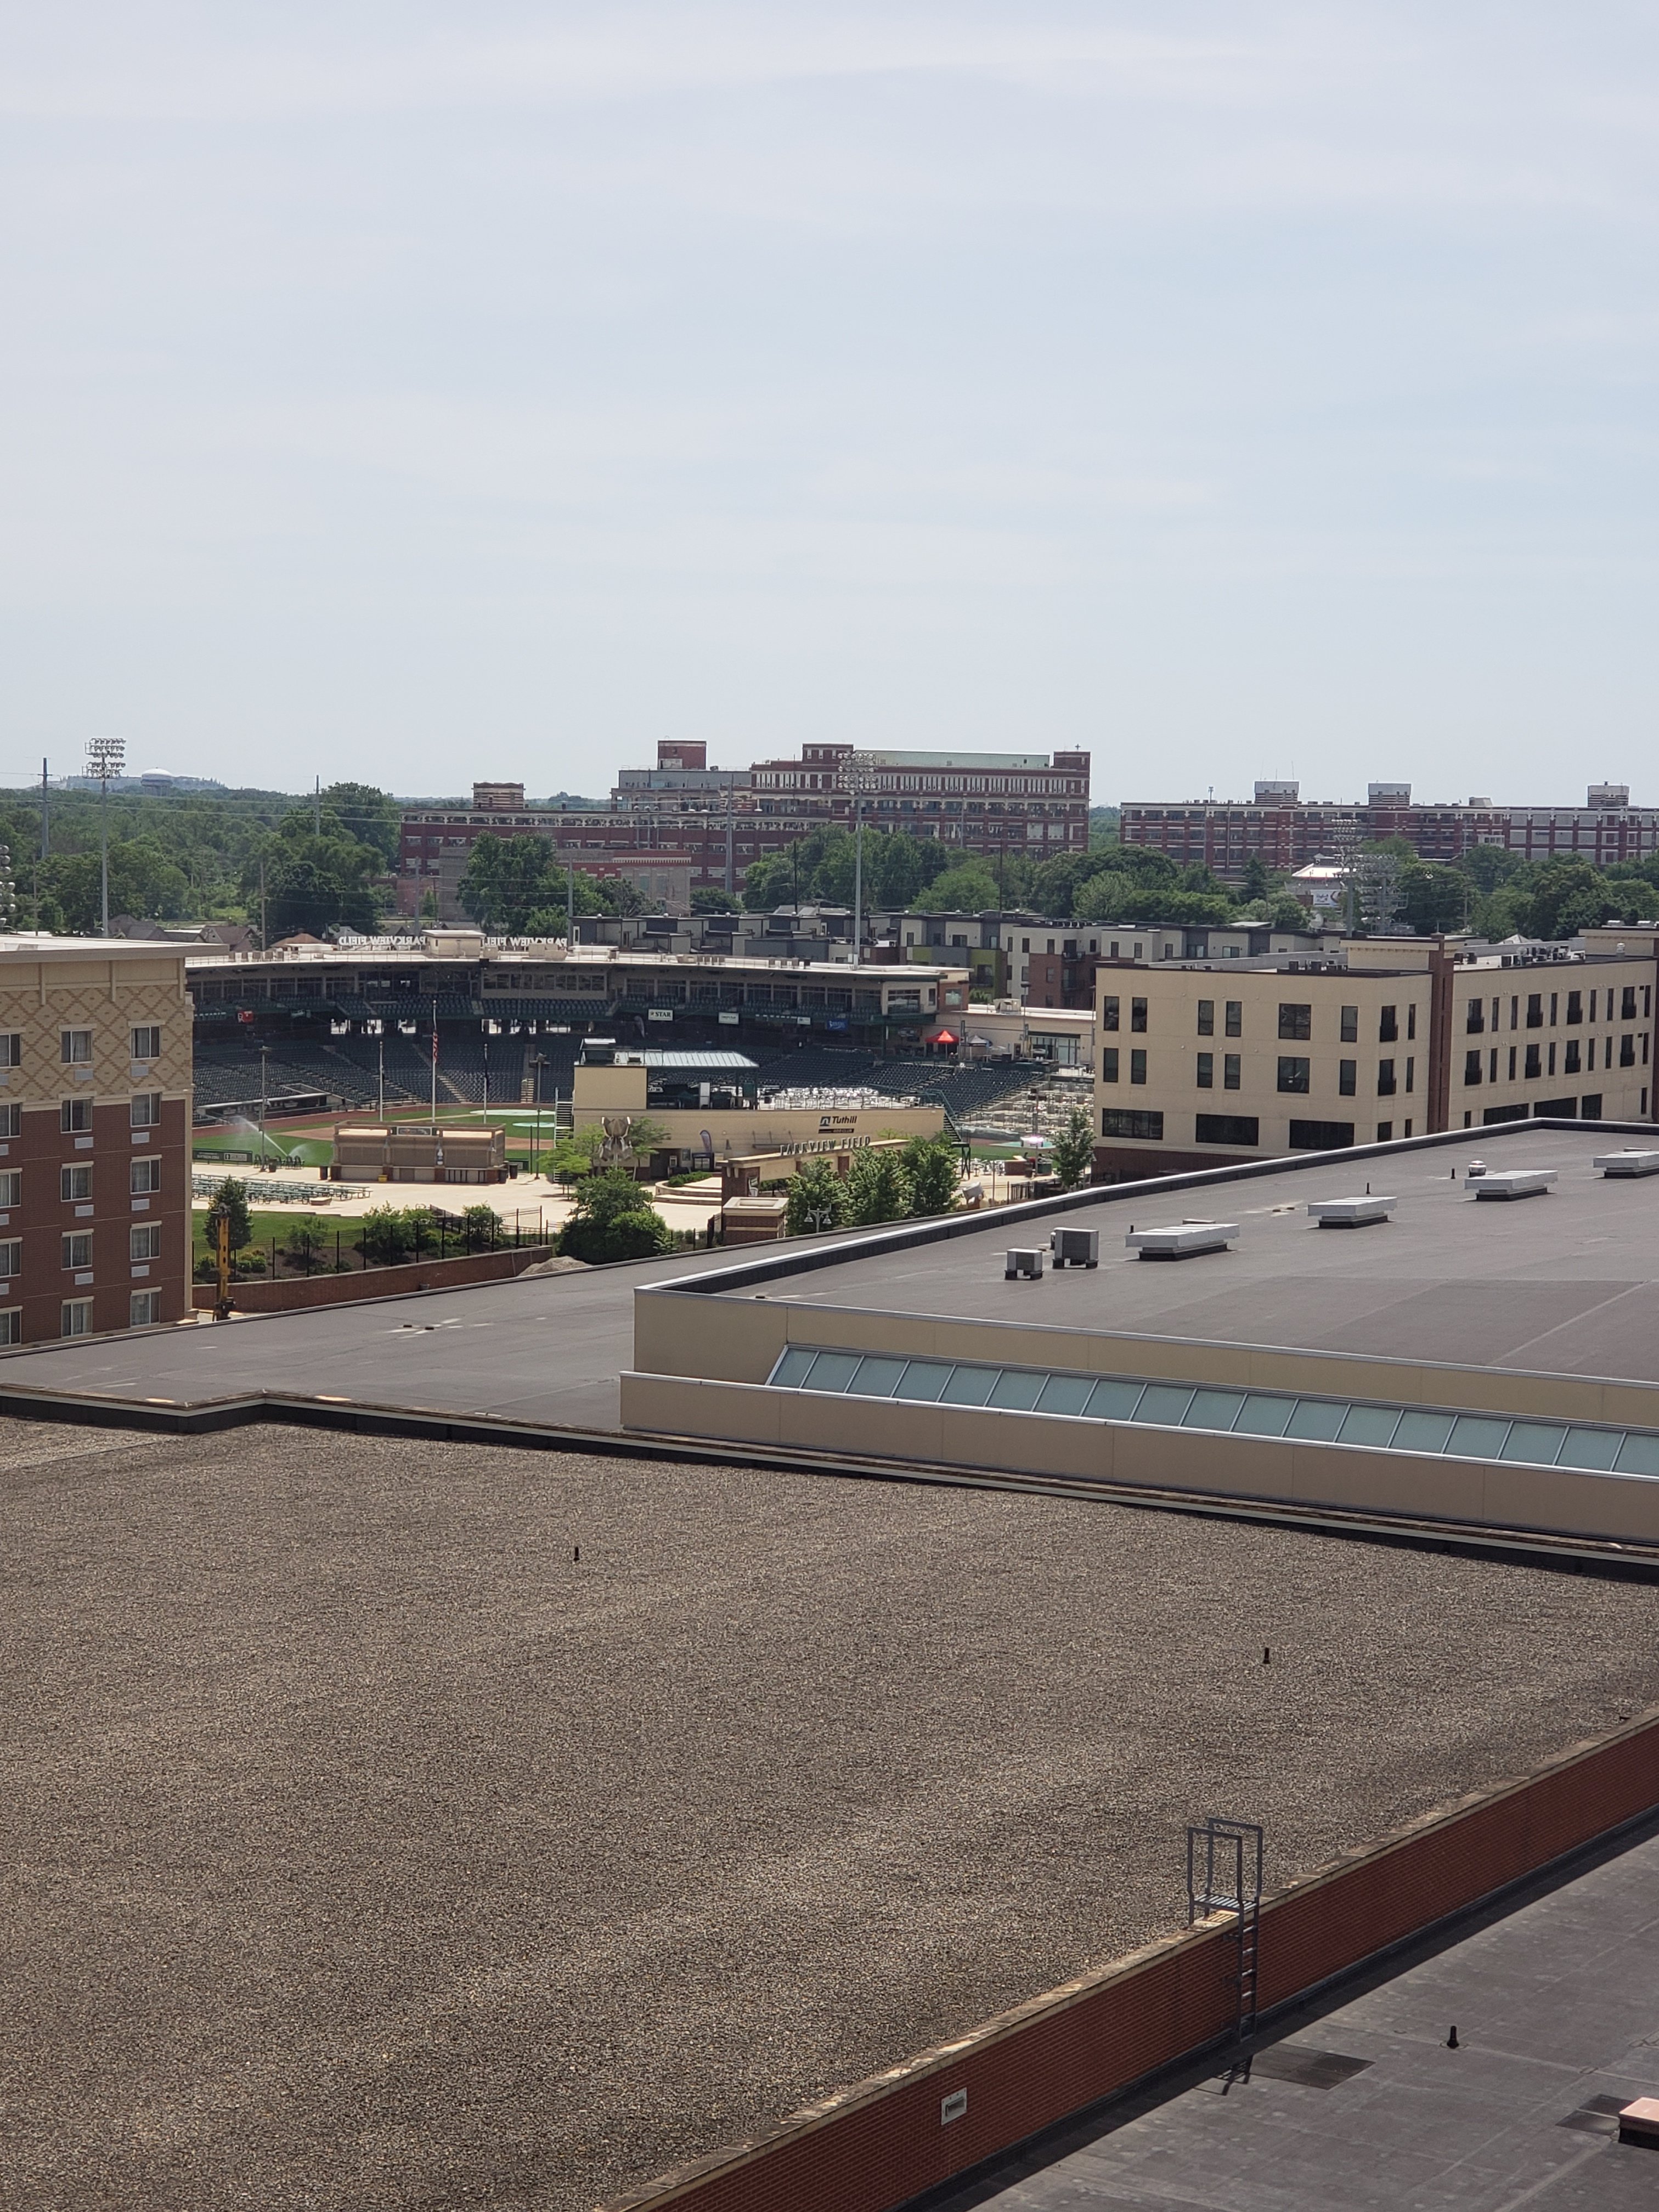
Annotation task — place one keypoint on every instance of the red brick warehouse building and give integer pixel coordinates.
(684, 825)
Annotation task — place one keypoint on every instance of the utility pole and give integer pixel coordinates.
(434, 1062)
(264, 932)
(264, 1095)
(46, 815)
(570, 908)
(105, 757)
(381, 1111)
(317, 810)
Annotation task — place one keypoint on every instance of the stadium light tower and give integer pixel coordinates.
(858, 779)
(105, 757)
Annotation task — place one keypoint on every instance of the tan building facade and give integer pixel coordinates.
(95, 1136)
(1204, 1065)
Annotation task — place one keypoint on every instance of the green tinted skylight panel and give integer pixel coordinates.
(924, 1379)
(1537, 1442)
(1264, 1416)
(1016, 1391)
(1593, 1449)
(1638, 1455)
(832, 1370)
(1164, 1403)
(1423, 1433)
(1213, 1409)
(1369, 1425)
(791, 1370)
(1475, 1435)
(969, 1386)
(1317, 1420)
(878, 1377)
(1064, 1393)
(1112, 1398)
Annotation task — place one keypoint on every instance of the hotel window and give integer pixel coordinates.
(1108, 1064)
(1350, 1025)
(1571, 1065)
(74, 1183)
(147, 1042)
(1207, 1018)
(1387, 1024)
(75, 1047)
(1492, 1073)
(146, 1175)
(144, 1310)
(1234, 1024)
(1348, 1078)
(1476, 1021)
(1207, 1071)
(1534, 1010)
(1295, 1022)
(11, 1120)
(11, 1048)
(1411, 1074)
(77, 1317)
(1627, 1050)
(1137, 1066)
(77, 1249)
(1138, 1015)
(1293, 1073)
(11, 1256)
(1230, 1071)
(1534, 1061)
(145, 1242)
(11, 1325)
(1109, 1013)
(145, 1110)
(1575, 1008)
(1472, 1067)
(1385, 1079)
(1627, 1003)
(1411, 1021)
(1512, 1063)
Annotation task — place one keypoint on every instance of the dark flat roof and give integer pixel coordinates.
(1567, 1283)
(1556, 2019)
(364, 1849)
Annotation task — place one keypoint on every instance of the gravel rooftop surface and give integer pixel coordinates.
(363, 1849)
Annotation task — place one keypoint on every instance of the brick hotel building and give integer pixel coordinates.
(95, 1136)
(682, 826)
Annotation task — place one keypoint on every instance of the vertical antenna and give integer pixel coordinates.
(46, 820)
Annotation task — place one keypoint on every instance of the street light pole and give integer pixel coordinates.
(264, 1092)
(105, 757)
(858, 777)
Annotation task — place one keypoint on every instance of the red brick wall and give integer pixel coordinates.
(41, 1151)
(295, 1293)
(876, 2146)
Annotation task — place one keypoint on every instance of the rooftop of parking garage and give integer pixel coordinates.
(369, 1848)
(1565, 1283)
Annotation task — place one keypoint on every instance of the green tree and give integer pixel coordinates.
(1434, 898)
(1567, 895)
(230, 1199)
(1260, 881)
(1285, 912)
(707, 899)
(931, 1171)
(481, 1227)
(1073, 1151)
(969, 887)
(816, 1201)
(371, 815)
(508, 879)
(613, 1221)
(877, 1188)
(572, 1156)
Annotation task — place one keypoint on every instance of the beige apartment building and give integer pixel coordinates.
(95, 1136)
(1208, 1064)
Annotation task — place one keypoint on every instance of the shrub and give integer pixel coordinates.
(613, 1221)
(481, 1227)
(304, 1244)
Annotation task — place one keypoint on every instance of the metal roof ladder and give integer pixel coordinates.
(1224, 1875)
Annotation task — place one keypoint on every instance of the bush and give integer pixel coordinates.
(613, 1221)
(481, 1227)
(389, 1234)
(304, 1245)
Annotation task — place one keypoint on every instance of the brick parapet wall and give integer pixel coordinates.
(874, 2147)
(296, 1293)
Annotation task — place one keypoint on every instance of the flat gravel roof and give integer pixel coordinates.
(1567, 1282)
(363, 1848)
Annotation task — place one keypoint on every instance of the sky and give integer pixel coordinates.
(421, 393)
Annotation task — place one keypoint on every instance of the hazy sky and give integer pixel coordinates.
(420, 392)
